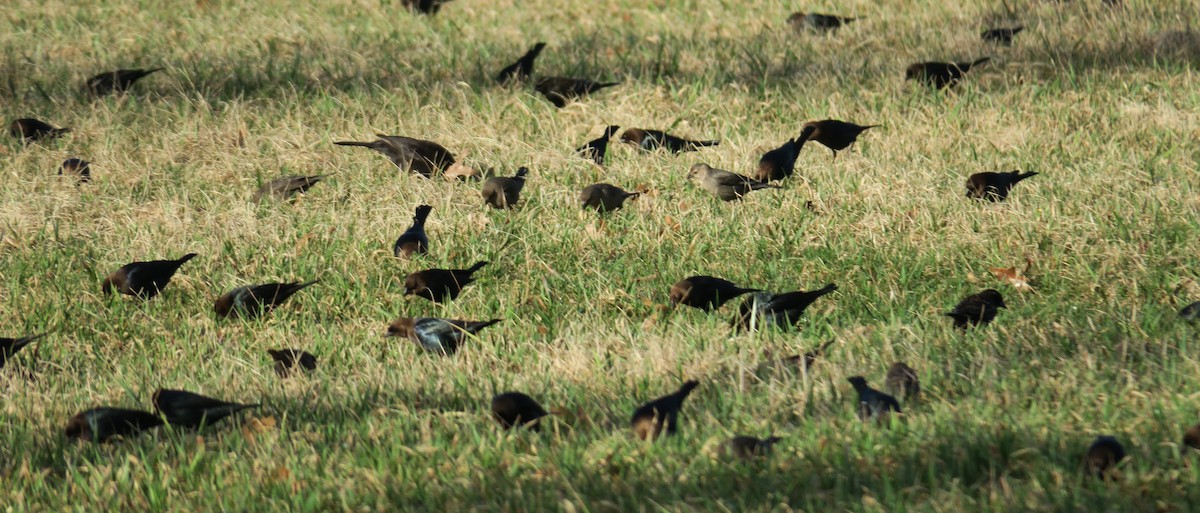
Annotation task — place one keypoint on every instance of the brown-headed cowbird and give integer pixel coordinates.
(77, 167)
(514, 409)
(561, 90)
(833, 134)
(414, 240)
(649, 419)
(255, 300)
(417, 155)
(32, 130)
(1190, 313)
(902, 381)
(605, 197)
(143, 279)
(102, 424)
(782, 310)
(780, 162)
(802, 22)
(503, 191)
(424, 6)
(707, 293)
(285, 188)
(941, 74)
(651, 140)
(977, 309)
(1104, 454)
(873, 404)
(724, 184)
(749, 447)
(596, 148)
(1002, 36)
(436, 335)
(994, 186)
(183, 408)
(116, 81)
(521, 69)
(1191, 438)
(10, 346)
(287, 359)
(440, 285)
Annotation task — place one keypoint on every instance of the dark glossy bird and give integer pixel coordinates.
(116, 81)
(977, 309)
(873, 404)
(707, 293)
(994, 186)
(941, 74)
(417, 155)
(781, 310)
(10, 346)
(255, 300)
(651, 140)
(182, 408)
(1002, 36)
(78, 168)
(561, 90)
(287, 359)
(605, 197)
(413, 240)
(521, 69)
(723, 184)
(102, 424)
(1191, 438)
(780, 162)
(286, 188)
(143, 279)
(749, 447)
(436, 335)
(440, 285)
(514, 409)
(424, 6)
(833, 134)
(503, 191)
(902, 381)
(649, 419)
(32, 130)
(1104, 454)
(1190, 313)
(802, 22)
(596, 148)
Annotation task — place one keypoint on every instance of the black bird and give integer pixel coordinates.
(143, 279)
(417, 155)
(833, 134)
(436, 335)
(1191, 438)
(521, 69)
(102, 424)
(1002, 36)
(504, 191)
(77, 167)
(514, 409)
(651, 140)
(1190, 313)
(182, 408)
(33, 130)
(605, 197)
(596, 148)
(285, 188)
(414, 240)
(561, 90)
(873, 404)
(801, 22)
(116, 81)
(941, 74)
(649, 419)
(977, 309)
(707, 293)
(287, 359)
(749, 447)
(10, 346)
(255, 300)
(424, 6)
(781, 310)
(994, 186)
(1104, 454)
(440, 285)
(780, 162)
(902, 381)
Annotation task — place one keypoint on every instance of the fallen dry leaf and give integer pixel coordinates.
(1010, 275)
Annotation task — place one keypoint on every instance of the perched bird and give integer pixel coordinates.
(651, 140)
(749, 447)
(116, 81)
(440, 285)
(1190, 313)
(33, 130)
(77, 167)
(1191, 438)
(502, 191)
(424, 6)
(285, 188)
(707, 293)
(255, 300)
(102, 424)
(782, 310)
(941, 74)
(994, 186)
(605, 197)
(287, 359)
(650, 418)
(10, 346)
(902, 381)
(143, 279)
(596, 148)
(1002, 36)
(833, 134)
(561, 90)
(442, 336)
(1104, 454)
(182, 408)
(724, 184)
(873, 404)
(417, 155)
(414, 240)
(521, 69)
(977, 309)
(801, 22)
(514, 409)
(780, 162)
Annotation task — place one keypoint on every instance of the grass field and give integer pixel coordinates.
(258, 90)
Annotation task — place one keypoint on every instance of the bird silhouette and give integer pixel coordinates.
(596, 149)
(941, 74)
(77, 167)
(1190, 313)
(417, 155)
(994, 186)
(707, 293)
(902, 381)
(32, 130)
(649, 419)
(873, 404)
(440, 285)
(562, 90)
(187, 409)
(1104, 454)
(515, 409)
(255, 300)
(10, 346)
(723, 184)
(833, 134)
(651, 140)
(504, 192)
(143, 279)
(780, 162)
(413, 240)
(1002, 36)
(287, 359)
(436, 335)
(605, 197)
(802, 22)
(117, 81)
(749, 447)
(1191, 438)
(287, 187)
(782, 310)
(100, 425)
(977, 309)
(521, 69)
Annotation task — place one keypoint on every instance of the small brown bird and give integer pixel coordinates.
(780, 162)
(873, 404)
(441, 336)
(596, 148)
(650, 418)
(1104, 454)
(286, 188)
(833, 134)
(802, 22)
(514, 409)
(502, 191)
(902, 381)
(287, 359)
(724, 184)
(417, 155)
(521, 69)
(1003, 36)
(77, 167)
(424, 6)
(10, 346)
(182, 408)
(977, 309)
(1191, 438)
(994, 186)
(440, 285)
(561, 90)
(1190, 313)
(102, 424)
(255, 300)
(116, 81)
(749, 447)
(782, 310)
(651, 140)
(414, 240)
(143, 279)
(605, 197)
(941, 74)
(707, 293)
(32, 130)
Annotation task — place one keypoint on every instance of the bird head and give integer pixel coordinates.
(859, 382)
(402, 327)
(633, 136)
(699, 170)
(412, 284)
(993, 296)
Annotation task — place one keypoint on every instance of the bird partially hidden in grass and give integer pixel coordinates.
(33, 130)
(605, 197)
(1003, 36)
(650, 420)
(1191, 313)
(1191, 439)
(977, 309)
(651, 140)
(102, 424)
(191, 410)
(10, 346)
(424, 6)
(425, 158)
(143, 279)
(797, 361)
(523, 68)
(993, 186)
(440, 285)
(117, 81)
(902, 381)
(255, 300)
(749, 447)
(286, 360)
(781, 310)
(78, 168)
(833, 134)
(597, 148)
(515, 409)
(1103, 456)
(414, 241)
(873, 404)
(287, 187)
(780, 162)
(707, 293)
(562, 90)
(802, 21)
(504, 191)
(436, 335)
(727, 186)
(941, 74)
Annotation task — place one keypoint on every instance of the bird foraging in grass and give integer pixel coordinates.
(780, 162)
(781, 310)
(440, 285)
(523, 68)
(143, 279)
(102, 424)
(977, 309)
(191, 410)
(117, 81)
(707, 293)
(833, 134)
(78, 168)
(515, 409)
(651, 140)
(749, 447)
(873, 404)
(941, 74)
(287, 187)
(414, 241)
(1003, 36)
(288, 359)
(649, 420)
(425, 158)
(502, 191)
(1103, 456)
(561, 90)
(813, 22)
(994, 186)
(596, 149)
(10, 346)
(441, 336)
(605, 197)
(256, 300)
(725, 185)
(32, 130)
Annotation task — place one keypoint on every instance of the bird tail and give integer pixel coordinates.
(763, 185)
(1016, 30)
(826, 289)
(355, 143)
(1022, 176)
(183, 259)
(152, 70)
(297, 287)
(24, 341)
(535, 51)
(422, 214)
(474, 327)
(701, 144)
(976, 63)
(632, 194)
(611, 131)
(805, 134)
(604, 85)
(478, 265)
